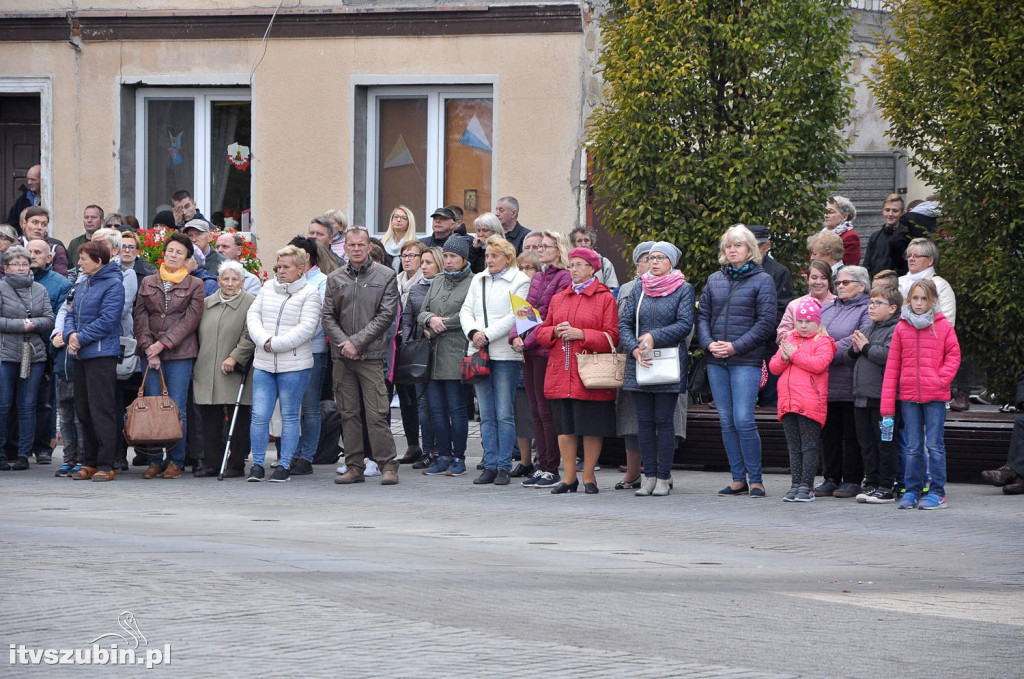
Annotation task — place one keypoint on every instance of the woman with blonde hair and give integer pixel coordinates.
(340, 226)
(401, 230)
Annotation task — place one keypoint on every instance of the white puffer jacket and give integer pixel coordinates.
(288, 316)
(500, 318)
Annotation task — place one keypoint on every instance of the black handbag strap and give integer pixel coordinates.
(483, 286)
(718, 312)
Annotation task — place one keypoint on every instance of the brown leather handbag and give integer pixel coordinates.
(152, 421)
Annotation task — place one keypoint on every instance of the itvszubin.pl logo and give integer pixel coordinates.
(116, 650)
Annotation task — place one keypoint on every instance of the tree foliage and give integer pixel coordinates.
(950, 80)
(718, 112)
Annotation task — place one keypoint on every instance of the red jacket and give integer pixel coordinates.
(596, 313)
(851, 248)
(803, 379)
(922, 362)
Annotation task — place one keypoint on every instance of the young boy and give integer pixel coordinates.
(871, 350)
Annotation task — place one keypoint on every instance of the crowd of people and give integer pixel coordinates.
(860, 368)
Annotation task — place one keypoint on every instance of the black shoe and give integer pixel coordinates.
(256, 473)
(425, 461)
(564, 487)
(487, 477)
(230, 473)
(123, 464)
(5, 465)
(590, 488)
(280, 475)
(301, 467)
(43, 457)
(140, 460)
(521, 470)
(205, 473)
(412, 453)
(20, 465)
(729, 490)
(480, 466)
(502, 479)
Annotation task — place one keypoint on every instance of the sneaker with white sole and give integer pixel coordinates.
(280, 474)
(371, 468)
(880, 496)
(805, 494)
(933, 501)
(531, 480)
(791, 495)
(342, 469)
(547, 480)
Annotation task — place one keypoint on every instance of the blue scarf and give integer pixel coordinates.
(460, 272)
(736, 274)
(496, 276)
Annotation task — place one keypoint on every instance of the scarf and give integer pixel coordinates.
(496, 276)
(405, 283)
(578, 288)
(919, 321)
(453, 278)
(426, 281)
(927, 273)
(842, 228)
(736, 274)
(659, 286)
(172, 278)
(394, 247)
(225, 298)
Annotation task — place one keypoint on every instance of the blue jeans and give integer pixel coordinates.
(446, 404)
(735, 391)
(20, 394)
(496, 396)
(655, 419)
(309, 438)
(923, 425)
(178, 376)
(267, 388)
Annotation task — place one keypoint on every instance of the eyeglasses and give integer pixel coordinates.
(410, 256)
(916, 256)
(874, 303)
(529, 267)
(846, 282)
(402, 217)
(578, 265)
(657, 258)
(546, 247)
(126, 246)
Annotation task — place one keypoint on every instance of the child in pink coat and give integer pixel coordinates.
(923, 359)
(802, 363)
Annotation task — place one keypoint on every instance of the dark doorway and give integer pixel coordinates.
(19, 144)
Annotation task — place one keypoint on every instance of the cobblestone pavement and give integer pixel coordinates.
(440, 578)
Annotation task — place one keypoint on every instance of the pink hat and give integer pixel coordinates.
(588, 255)
(809, 310)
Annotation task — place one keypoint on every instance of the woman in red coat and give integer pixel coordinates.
(581, 317)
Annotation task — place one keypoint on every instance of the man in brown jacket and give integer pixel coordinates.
(360, 304)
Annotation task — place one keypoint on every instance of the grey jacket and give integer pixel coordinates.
(21, 298)
(444, 299)
(869, 369)
(840, 318)
(360, 308)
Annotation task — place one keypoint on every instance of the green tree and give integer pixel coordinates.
(717, 112)
(950, 80)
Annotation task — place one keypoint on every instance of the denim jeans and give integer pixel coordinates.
(428, 436)
(924, 445)
(446, 402)
(267, 388)
(19, 394)
(496, 396)
(655, 414)
(309, 437)
(178, 376)
(735, 391)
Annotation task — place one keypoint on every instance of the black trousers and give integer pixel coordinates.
(841, 460)
(410, 413)
(215, 421)
(881, 458)
(96, 400)
(1015, 458)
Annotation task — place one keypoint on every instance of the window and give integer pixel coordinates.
(427, 147)
(198, 140)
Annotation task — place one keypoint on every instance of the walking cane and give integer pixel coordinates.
(231, 428)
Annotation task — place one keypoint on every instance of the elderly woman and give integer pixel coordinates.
(440, 318)
(827, 247)
(281, 323)
(922, 256)
(340, 225)
(486, 318)
(8, 236)
(401, 231)
(553, 277)
(26, 319)
(167, 313)
(582, 317)
(485, 226)
(225, 351)
(839, 216)
(819, 286)
(657, 314)
(736, 315)
(841, 462)
(412, 397)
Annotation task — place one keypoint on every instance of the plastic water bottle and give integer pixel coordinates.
(887, 426)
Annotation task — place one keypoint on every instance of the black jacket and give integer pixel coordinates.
(22, 202)
(516, 236)
(783, 286)
(869, 369)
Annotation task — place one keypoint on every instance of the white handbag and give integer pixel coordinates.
(664, 368)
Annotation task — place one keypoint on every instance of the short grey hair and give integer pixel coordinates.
(511, 201)
(858, 274)
(326, 223)
(16, 251)
(7, 232)
(231, 265)
(113, 237)
(533, 234)
(592, 233)
(926, 247)
(490, 221)
(845, 205)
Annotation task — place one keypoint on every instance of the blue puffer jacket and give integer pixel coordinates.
(669, 319)
(96, 313)
(747, 321)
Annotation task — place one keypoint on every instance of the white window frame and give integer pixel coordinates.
(201, 96)
(436, 97)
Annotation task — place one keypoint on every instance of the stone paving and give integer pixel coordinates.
(440, 578)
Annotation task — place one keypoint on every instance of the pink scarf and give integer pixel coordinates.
(659, 286)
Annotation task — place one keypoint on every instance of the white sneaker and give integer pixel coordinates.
(394, 402)
(342, 469)
(371, 469)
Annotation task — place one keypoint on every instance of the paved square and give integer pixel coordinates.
(440, 578)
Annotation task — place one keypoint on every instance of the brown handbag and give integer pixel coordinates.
(602, 371)
(152, 421)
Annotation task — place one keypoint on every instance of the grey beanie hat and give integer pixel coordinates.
(458, 245)
(641, 250)
(664, 247)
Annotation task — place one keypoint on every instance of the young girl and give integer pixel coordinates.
(923, 359)
(802, 363)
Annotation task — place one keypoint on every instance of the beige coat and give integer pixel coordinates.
(223, 333)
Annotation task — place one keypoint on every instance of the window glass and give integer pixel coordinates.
(467, 154)
(230, 171)
(402, 159)
(170, 152)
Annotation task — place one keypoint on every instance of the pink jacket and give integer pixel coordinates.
(803, 379)
(922, 362)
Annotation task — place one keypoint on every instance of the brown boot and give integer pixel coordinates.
(172, 471)
(351, 476)
(1014, 488)
(961, 403)
(1000, 477)
(152, 471)
(389, 477)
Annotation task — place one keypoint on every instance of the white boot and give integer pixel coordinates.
(661, 488)
(647, 486)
